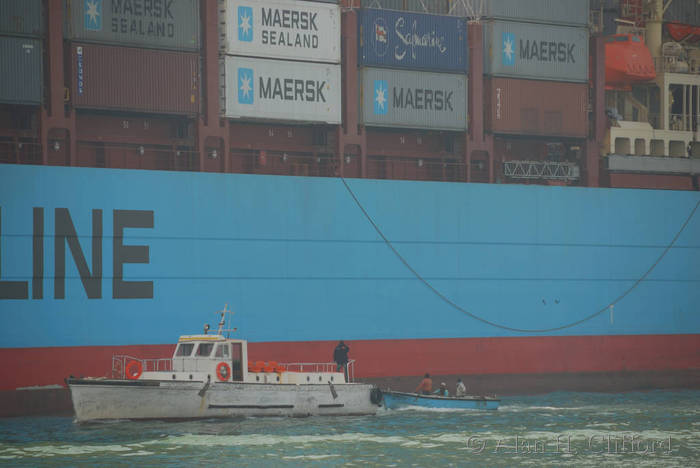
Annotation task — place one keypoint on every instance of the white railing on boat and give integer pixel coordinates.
(119, 363)
(325, 367)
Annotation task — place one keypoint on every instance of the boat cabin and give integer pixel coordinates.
(220, 359)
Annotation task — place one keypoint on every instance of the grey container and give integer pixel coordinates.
(21, 17)
(535, 51)
(563, 12)
(438, 7)
(413, 99)
(21, 83)
(172, 24)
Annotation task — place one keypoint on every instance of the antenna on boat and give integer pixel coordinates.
(222, 322)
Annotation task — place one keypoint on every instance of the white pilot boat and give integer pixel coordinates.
(207, 378)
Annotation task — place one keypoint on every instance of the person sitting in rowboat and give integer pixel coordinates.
(442, 391)
(425, 386)
(461, 389)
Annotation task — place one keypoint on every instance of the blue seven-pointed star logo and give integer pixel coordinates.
(93, 15)
(381, 92)
(245, 24)
(245, 86)
(508, 49)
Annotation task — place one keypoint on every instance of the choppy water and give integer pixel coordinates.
(581, 429)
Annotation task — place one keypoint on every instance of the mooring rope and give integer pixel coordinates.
(452, 304)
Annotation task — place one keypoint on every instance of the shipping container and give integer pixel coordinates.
(21, 17)
(562, 12)
(537, 51)
(413, 99)
(171, 24)
(533, 107)
(21, 76)
(285, 29)
(412, 40)
(441, 7)
(130, 79)
(256, 89)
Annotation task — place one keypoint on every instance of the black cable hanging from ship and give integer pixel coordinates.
(452, 304)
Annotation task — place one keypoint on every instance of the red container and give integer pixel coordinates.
(142, 80)
(652, 181)
(533, 107)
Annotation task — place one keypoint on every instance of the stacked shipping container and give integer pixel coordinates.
(21, 32)
(420, 45)
(538, 71)
(280, 61)
(536, 62)
(112, 61)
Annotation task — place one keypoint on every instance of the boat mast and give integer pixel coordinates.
(222, 322)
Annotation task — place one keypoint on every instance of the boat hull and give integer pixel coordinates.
(95, 400)
(394, 400)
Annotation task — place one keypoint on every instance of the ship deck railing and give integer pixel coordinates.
(120, 361)
(321, 367)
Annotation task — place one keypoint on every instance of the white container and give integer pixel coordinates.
(257, 89)
(284, 29)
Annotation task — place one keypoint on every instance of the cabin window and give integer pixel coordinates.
(184, 349)
(635, 39)
(222, 350)
(205, 349)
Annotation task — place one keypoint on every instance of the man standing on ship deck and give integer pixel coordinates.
(340, 356)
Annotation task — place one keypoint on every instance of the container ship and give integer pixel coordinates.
(504, 191)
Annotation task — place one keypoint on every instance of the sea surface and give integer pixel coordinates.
(658, 428)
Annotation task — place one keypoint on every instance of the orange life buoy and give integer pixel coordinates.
(134, 370)
(223, 371)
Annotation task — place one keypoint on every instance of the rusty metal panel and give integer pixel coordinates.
(284, 29)
(255, 89)
(533, 107)
(156, 24)
(21, 75)
(145, 80)
(413, 99)
(21, 17)
(536, 51)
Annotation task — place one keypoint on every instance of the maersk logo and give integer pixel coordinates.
(508, 49)
(93, 15)
(245, 86)
(381, 91)
(245, 24)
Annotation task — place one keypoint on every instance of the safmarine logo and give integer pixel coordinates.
(245, 24)
(381, 38)
(381, 91)
(93, 15)
(508, 49)
(245, 86)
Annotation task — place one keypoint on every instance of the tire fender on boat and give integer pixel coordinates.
(223, 371)
(134, 370)
(376, 396)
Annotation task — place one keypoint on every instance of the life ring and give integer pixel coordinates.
(134, 370)
(375, 396)
(223, 371)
